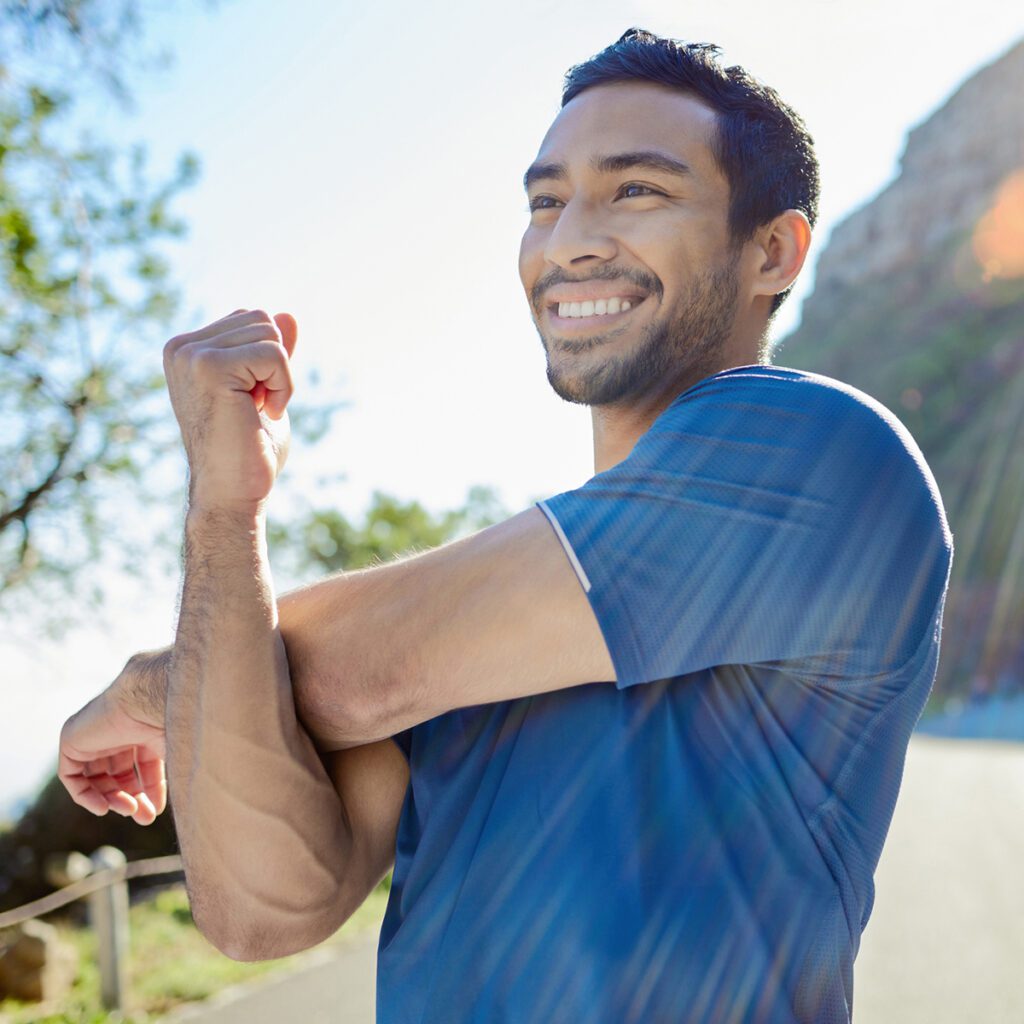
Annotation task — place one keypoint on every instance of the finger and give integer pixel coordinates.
(92, 802)
(147, 813)
(240, 318)
(260, 362)
(122, 761)
(153, 782)
(259, 395)
(139, 792)
(86, 795)
(123, 803)
(227, 316)
(109, 785)
(232, 337)
(97, 793)
(289, 331)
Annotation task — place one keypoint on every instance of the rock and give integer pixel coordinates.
(35, 965)
(919, 301)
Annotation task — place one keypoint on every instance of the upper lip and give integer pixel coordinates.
(591, 291)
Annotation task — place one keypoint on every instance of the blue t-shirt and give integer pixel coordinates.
(696, 841)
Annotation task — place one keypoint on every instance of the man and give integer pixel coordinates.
(632, 753)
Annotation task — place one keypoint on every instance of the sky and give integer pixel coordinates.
(362, 169)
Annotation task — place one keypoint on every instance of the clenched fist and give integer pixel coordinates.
(229, 384)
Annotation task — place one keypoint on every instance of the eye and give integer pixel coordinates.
(647, 190)
(541, 202)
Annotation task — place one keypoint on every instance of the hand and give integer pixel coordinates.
(112, 757)
(229, 385)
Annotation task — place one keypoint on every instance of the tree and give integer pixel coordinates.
(85, 302)
(390, 529)
(79, 227)
(329, 543)
(78, 264)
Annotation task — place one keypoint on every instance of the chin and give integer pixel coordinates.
(611, 381)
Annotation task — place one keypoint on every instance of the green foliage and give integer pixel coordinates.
(85, 295)
(98, 41)
(326, 541)
(943, 348)
(86, 303)
(169, 963)
(80, 274)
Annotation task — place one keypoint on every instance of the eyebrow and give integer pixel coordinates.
(647, 159)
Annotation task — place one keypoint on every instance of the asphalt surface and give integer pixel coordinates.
(945, 941)
(331, 986)
(944, 944)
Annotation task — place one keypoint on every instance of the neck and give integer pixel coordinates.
(617, 428)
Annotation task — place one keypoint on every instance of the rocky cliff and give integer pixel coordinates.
(919, 301)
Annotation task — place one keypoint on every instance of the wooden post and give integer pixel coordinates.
(108, 916)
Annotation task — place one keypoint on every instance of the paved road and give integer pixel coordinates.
(944, 945)
(945, 941)
(333, 986)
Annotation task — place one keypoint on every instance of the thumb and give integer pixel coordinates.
(289, 331)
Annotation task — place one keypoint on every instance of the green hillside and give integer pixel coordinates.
(943, 348)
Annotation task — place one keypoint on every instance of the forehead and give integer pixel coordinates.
(631, 117)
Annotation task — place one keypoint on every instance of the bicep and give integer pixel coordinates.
(498, 615)
(371, 781)
(495, 616)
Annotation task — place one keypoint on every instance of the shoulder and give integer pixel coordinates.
(809, 396)
(810, 434)
(807, 413)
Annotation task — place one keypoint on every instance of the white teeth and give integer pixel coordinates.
(596, 307)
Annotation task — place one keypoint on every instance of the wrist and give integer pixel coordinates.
(224, 541)
(142, 685)
(204, 503)
(242, 517)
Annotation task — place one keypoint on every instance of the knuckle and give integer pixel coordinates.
(203, 361)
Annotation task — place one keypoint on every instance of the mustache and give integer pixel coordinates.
(648, 282)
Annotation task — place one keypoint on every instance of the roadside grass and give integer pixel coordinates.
(169, 963)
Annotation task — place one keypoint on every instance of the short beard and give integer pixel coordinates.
(672, 353)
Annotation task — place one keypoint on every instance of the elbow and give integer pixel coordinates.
(248, 939)
(244, 944)
(345, 716)
(270, 942)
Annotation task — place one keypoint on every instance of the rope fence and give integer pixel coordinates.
(90, 884)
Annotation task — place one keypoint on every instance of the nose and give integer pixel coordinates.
(579, 236)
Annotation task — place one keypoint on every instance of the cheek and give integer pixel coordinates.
(530, 259)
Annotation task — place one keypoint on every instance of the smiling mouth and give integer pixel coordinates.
(592, 313)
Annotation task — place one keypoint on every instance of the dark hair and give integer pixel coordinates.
(762, 145)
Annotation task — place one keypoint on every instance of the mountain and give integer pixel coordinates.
(919, 301)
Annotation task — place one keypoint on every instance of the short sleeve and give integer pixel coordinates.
(403, 740)
(767, 515)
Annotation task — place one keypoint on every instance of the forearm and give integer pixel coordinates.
(261, 829)
(308, 618)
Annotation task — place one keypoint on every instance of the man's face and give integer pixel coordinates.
(628, 206)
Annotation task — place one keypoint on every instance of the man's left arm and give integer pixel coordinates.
(494, 616)
(796, 523)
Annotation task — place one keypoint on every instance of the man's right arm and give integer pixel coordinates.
(370, 780)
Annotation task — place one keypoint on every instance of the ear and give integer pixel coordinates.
(783, 246)
(289, 331)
